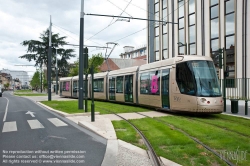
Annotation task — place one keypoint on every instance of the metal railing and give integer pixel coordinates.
(238, 88)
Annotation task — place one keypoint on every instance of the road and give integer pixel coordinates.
(32, 135)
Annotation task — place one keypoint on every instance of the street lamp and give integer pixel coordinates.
(180, 44)
(56, 75)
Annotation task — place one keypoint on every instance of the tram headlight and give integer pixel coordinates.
(203, 100)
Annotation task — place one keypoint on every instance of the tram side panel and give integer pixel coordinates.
(181, 102)
(149, 86)
(65, 86)
(100, 86)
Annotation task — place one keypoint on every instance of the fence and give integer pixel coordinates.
(237, 88)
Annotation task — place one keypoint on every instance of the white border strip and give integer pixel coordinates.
(6, 109)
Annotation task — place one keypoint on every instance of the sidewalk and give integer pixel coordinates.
(241, 109)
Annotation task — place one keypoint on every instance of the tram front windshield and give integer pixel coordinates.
(198, 78)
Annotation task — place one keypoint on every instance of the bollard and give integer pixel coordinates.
(246, 107)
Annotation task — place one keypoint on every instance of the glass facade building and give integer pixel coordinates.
(201, 27)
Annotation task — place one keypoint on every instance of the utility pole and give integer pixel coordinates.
(49, 63)
(41, 77)
(222, 65)
(81, 61)
(56, 75)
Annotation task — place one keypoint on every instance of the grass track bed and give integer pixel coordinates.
(167, 142)
(227, 125)
(218, 139)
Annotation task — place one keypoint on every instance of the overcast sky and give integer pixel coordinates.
(26, 19)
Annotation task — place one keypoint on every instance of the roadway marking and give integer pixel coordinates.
(57, 122)
(9, 126)
(31, 113)
(6, 110)
(35, 124)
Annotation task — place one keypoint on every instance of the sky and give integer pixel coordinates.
(22, 20)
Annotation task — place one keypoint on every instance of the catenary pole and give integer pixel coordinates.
(56, 75)
(80, 99)
(49, 63)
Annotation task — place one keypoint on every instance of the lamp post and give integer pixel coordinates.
(56, 75)
(180, 44)
(49, 63)
(81, 59)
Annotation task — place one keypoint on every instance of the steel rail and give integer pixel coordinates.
(152, 155)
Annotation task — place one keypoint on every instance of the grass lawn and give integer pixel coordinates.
(72, 107)
(23, 90)
(30, 94)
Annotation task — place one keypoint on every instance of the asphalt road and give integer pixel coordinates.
(32, 135)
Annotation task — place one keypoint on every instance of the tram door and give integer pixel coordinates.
(75, 88)
(112, 88)
(165, 89)
(128, 87)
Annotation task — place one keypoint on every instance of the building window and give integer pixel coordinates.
(214, 31)
(157, 31)
(164, 30)
(230, 38)
(181, 25)
(192, 28)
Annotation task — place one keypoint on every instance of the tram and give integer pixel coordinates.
(186, 83)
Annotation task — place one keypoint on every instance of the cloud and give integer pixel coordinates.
(26, 20)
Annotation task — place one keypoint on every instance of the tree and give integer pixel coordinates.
(35, 81)
(96, 60)
(38, 51)
(6, 85)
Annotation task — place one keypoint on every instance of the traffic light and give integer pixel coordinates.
(226, 72)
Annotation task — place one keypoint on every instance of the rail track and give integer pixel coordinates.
(153, 155)
(223, 128)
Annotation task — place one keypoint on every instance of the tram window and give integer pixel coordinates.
(154, 82)
(75, 87)
(144, 83)
(98, 85)
(150, 83)
(185, 79)
(119, 84)
(65, 86)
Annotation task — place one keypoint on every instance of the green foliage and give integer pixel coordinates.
(96, 60)
(6, 85)
(74, 70)
(38, 51)
(35, 81)
(45, 84)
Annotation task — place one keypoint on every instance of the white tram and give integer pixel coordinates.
(182, 84)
